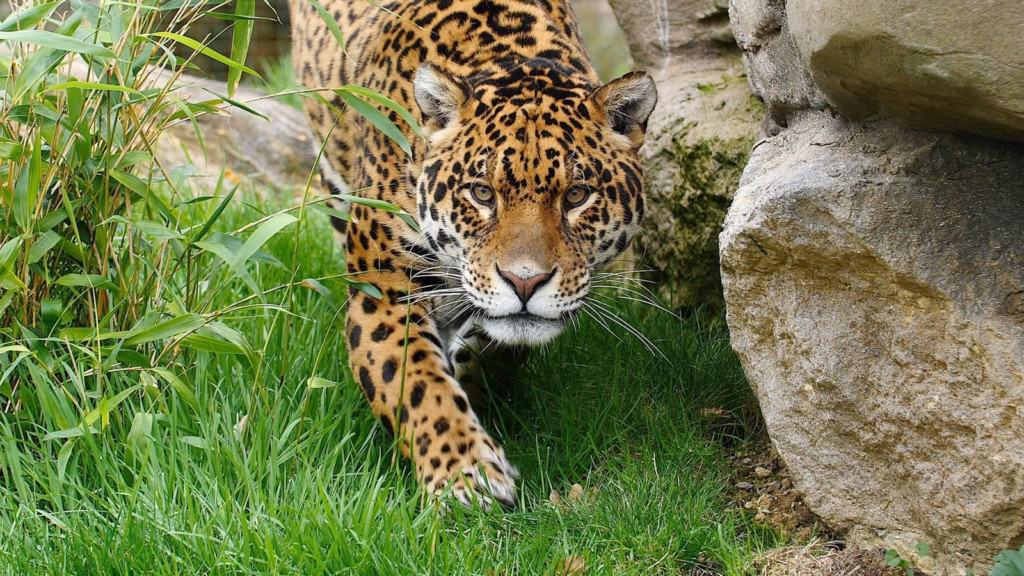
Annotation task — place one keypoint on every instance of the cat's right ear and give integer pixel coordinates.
(439, 96)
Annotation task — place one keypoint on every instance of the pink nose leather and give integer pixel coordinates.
(525, 287)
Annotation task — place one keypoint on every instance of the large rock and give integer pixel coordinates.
(698, 138)
(271, 153)
(875, 289)
(936, 63)
(772, 59)
(874, 272)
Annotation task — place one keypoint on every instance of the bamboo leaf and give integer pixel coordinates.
(28, 17)
(69, 433)
(86, 281)
(238, 104)
(263, 233)
(153, 230)
(317, 286)
(180, 386)
(213, 217)
(63, 456)
(317, 383)
(212, 344)
(35, 69)
(94, 86)
(377, 118)
(9, 251)
(366, 288)
(388, 103)
(194, 441)
(106, 406)
(240, 38)
(330, 211)
(142, 426)
(130, 181)
(42, 245)
(235, 17)
(13, 348)
(78, 334)
(370, 202)
(56, 41)
(166, 329)
(206, 51)
(5, 301)
(382, 205)
(331, 23)
(9, 149)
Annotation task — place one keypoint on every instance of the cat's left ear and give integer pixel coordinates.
(627, 104)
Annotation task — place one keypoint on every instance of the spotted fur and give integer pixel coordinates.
(528, 182)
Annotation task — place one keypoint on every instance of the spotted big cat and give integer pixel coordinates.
(527, 183)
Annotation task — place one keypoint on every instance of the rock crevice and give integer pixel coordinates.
(697, 142)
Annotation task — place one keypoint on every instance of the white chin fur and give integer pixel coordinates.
(520, 330)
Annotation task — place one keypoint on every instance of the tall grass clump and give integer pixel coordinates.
(111, 268)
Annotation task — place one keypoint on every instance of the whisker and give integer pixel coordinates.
(457, 307)
(416, 298)
(613, 317)
(599, 319)
(637, 296)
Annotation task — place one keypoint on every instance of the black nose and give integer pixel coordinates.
(525, 287)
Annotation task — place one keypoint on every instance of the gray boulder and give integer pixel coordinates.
(874, 271)
(936, 63)
(875, 290)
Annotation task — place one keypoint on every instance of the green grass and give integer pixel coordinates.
(174, 397)
(312, 484)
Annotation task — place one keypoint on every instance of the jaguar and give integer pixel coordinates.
(521, 180)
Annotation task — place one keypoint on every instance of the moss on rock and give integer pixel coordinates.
(687, 212)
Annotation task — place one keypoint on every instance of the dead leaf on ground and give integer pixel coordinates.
(572, 566)
(576, 495)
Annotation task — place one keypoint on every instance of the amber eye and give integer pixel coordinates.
(482, 193)
(576, 196)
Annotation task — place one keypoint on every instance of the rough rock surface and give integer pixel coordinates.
(271, 153)
(772, 59)
(275, 152)
(874, 279)
(936, 63)
(697, 140)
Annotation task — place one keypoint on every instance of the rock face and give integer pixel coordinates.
(874, 278)
(697, 139)
(874, 282)
(936, 63)
(273, 152)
